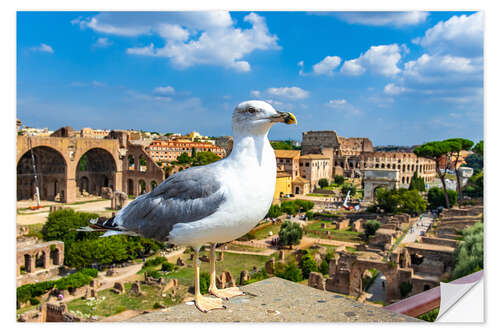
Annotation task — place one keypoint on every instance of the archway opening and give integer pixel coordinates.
(130, 187)
(27, 263)
(143, 165)
(50, 171)
(99, 168)
(373, 284)
(55, 256)
(40, 260)
(131, 163)
(153, 185)
(142, 186)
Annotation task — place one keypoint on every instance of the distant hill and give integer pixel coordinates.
(407, 149)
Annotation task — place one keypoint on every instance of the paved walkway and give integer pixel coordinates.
(376, 292)
(421, 225)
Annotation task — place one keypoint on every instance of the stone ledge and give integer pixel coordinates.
(278, 300)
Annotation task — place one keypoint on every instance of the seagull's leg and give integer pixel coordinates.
(221, 293)
(203, 304)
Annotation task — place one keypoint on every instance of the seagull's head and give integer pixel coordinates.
(257, 117)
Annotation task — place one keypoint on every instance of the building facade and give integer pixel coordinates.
(170, 150)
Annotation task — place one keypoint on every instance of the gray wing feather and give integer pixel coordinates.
(184, 197)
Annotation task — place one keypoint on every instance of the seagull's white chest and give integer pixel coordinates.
(249, 184)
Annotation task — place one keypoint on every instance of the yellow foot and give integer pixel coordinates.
(227, 293)
(205, 304)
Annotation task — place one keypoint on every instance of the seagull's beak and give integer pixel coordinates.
(284, 117)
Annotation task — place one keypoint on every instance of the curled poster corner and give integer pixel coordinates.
(461, 302)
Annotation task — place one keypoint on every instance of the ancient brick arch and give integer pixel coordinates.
(374, 179)
(110, 164)
(388, 269)
(51, 169)
(96, 169)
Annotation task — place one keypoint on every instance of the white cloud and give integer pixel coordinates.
(392, 89)
(102, 42)
(397, 19)
(289, 92)
(381, 60)
(436, 68)
(43, 48)
(342, 105)
(146, 50)
(167, 90)
(327, 65)
(336, 102)
(459, 35)
(191, 38)
(255, 93)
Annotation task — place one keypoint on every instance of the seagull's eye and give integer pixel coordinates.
(251, 110)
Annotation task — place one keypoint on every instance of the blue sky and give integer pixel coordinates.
(395, 77)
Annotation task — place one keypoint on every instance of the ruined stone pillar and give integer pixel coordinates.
(46, 259)
(31, 263)
(221, 255)
(70, 189)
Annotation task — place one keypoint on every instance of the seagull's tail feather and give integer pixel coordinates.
(107, 225)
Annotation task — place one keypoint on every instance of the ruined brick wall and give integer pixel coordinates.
(137, 178)
(439, 241)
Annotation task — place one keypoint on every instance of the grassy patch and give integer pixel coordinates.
(108, 303)
(341, 235)
(35, 230)
(318, 195)
(262, 231)
(233, 263)
(248, 248)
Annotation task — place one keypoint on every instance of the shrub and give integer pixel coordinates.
(339, 179)
(469, 253)
(168, 267)
(308, 265)
(157, 306)
(324, 267)
(346, 188)
(204, 282)
(405, 288)
(436, 198)
(274, 211)
(323, 182)
(34, 301)
(400, 201)
(290, 234)
(371, 227)
(290, 272)
(156, 261)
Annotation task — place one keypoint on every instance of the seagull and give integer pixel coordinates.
(215, 203)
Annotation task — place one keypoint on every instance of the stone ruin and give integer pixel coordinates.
(316, 280)
(118, 288)
(225, 280)
(282, 256)
(39, 261)
(118, 200)
(135, 289)
(244, 276)
(221, 256)
(204, 258)
(171, 284)
(106, 192)
(270, 265)
(50, 312)
(180, 262)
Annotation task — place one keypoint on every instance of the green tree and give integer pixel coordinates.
(417, 183)
(434, 150)
(478, 148)
(475, 161)
(274, 211)
(436, 197)
(290, 234)
(284, 145)
(405, 288)
(308, 265)
(349, 187)
(204, 158)
(290, 272)
(371, 227)
(339, 179)
(324, 267)
(184, 158)
(323, 182)
(469, 254)
(400, 201)
(475, 186)
(456, 147)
